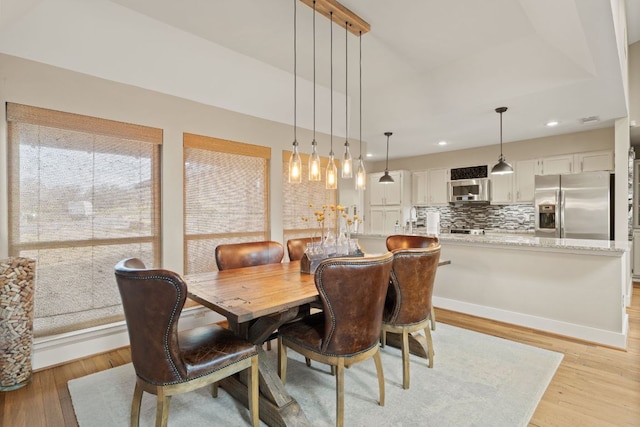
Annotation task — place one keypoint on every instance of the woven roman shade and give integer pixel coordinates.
(226, 197)
(84, 193)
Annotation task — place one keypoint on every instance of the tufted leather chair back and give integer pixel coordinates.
(402, 241)
(352, 291)
(411, 287)
(296, 247)
(152, 302)
(249, 254)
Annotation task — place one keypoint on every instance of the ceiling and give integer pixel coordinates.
(432, 70)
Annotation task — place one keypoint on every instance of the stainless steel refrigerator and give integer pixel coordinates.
(574, 206)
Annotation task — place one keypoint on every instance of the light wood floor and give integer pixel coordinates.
(594, 386)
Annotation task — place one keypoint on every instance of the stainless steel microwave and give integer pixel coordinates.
(476, 190)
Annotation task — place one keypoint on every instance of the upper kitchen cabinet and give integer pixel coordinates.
(555, 165)
(593, 161)
(429, 187)
(387, 194)
(524, 180)
(419, 189)
(437, 185)
(502, 189)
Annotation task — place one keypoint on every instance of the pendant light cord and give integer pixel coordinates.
(360, 63)
(314, 71)
(501, 156)
(346, 83)
(295, 73)
(331, 74)
(386, 165)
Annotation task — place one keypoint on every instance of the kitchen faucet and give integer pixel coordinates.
(413, 213)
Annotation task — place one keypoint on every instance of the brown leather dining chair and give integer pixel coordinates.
(406, 241)
(347, 331)
(249, 254)
(168, 362)
(296, 247)
(408, 304)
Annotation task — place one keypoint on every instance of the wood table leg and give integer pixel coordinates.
(277, 407)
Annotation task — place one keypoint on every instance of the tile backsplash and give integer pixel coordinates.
(489, 217)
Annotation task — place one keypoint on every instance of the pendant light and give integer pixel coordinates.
(295, 162)
(332, 172)
(347, 161)
(386, 178)
(361, 175)
(502, 167)
(314, 158)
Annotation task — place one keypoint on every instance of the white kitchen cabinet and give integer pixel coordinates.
(383, 219)
(419, 188)
(593, 161)
(555, 165)
(388, 193)
(437, 182)
(502, 189)
(524, 180)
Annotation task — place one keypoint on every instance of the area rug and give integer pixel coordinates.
(477, 380)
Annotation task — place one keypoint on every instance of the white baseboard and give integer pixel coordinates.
(57, 349)
(585, 333)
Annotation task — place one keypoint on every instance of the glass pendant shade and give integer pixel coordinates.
(314, 164)
(347, 162)
(361, 176)
(295, 166)
(332, 174)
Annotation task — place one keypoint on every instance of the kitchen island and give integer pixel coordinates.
(571, 287)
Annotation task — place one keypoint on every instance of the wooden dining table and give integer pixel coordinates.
(256, 301)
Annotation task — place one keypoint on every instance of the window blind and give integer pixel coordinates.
(83, 194)
(226, 197)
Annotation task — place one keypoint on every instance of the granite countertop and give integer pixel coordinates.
(527, 240)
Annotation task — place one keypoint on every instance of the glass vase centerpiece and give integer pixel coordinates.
(335, 238)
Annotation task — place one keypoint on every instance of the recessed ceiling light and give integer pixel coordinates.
(369, 155)
(552, 123)
(442, 143)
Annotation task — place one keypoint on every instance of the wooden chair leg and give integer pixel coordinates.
(214, 390)
(135, 406)
(383, 338)
(378, 360)
(162, 408)
(268, 345)
(307, 361)
(405, 360)
(340, 393)
(282, 361)
(430, 351)
(432, 321)
(254, 402)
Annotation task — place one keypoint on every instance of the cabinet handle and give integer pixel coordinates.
(518, 195)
